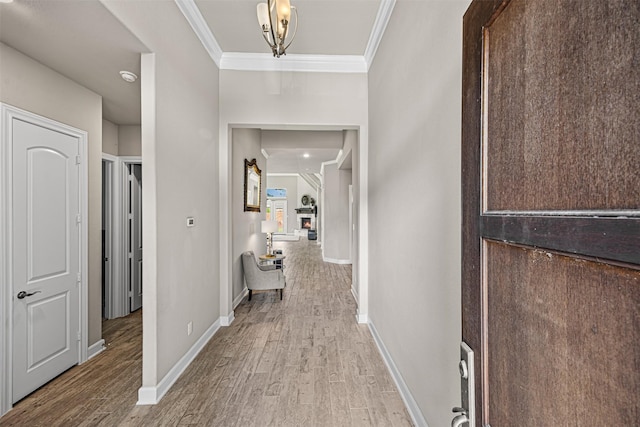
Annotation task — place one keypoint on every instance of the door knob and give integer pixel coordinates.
(23, 294)
(459, 420)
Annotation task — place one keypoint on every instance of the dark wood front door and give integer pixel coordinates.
(551, 211)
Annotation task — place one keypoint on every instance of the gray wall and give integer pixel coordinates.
(121, 140)
(335, 217)
(109, 138)
(247, 235)
(129, 140)
(180, 157)
(29, 85)
(414, 196)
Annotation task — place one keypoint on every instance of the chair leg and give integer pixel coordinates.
(280, 294)
(249, 294)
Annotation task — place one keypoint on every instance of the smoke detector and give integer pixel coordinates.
(128, 76)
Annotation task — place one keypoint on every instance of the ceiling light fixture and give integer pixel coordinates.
(6, 1)
(274, 18)
(128, 76)
(305, 155)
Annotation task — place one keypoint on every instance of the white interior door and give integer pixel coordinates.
(107, 237)
(352, 228)
(135, 235)
(45, 255)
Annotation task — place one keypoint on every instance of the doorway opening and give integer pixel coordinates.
(122, 236)
(277, 211)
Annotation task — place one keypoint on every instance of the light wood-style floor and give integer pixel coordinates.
(303, 361)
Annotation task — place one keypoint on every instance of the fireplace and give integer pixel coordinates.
(305, 223)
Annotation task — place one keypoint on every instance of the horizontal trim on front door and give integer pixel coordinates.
(615, 239)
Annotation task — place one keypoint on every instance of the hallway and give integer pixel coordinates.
(298, 362)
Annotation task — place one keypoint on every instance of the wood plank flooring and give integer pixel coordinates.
(303, 361)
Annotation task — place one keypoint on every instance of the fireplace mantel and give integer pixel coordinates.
(306, 210)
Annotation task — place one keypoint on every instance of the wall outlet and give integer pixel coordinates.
(189, 328)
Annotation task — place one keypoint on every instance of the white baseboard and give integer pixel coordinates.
(147, 396)
(227, 320)
(362, 319)
(336, 261)
(240, 297)
(354, 293)
(409, 401)
(153, 395)
(95, 349)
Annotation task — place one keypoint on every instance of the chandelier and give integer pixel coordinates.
(274, 18)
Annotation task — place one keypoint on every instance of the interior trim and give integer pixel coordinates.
(412, 406)
(379, 27)
(200, 27)
(301, 63)
(240, 297)
(228, 320)
(153, 395)
(336, 261)
(293, 62)
(95, 349)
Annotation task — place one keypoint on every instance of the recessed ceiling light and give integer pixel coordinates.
(6, 1)
(128, 76)
(305, 155)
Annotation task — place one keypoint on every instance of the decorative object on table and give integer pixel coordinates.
(305, 200)
(278, 262)
(274, 18)
(261, 277)
(269, 227)
(252, 186)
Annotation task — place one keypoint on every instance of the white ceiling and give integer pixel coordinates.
(82, 40)
(234, 25)
(287, 149)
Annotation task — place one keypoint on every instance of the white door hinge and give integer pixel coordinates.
(79, 336)
(78, 219)
(79, 278)
(78, 160)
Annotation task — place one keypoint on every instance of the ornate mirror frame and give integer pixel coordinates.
(252, 186)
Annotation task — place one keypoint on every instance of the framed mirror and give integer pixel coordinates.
(252, 186)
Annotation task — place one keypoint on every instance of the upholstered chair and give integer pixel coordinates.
(261, 277)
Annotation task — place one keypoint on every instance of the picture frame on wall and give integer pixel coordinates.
(252, 186)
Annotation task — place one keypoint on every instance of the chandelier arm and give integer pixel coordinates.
(295, 30)
(266, 38)
(270, 3)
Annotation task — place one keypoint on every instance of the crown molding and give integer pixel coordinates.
(379, 26)
(200, 27)
(293, 62)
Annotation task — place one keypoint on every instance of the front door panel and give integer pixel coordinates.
(551, 208)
